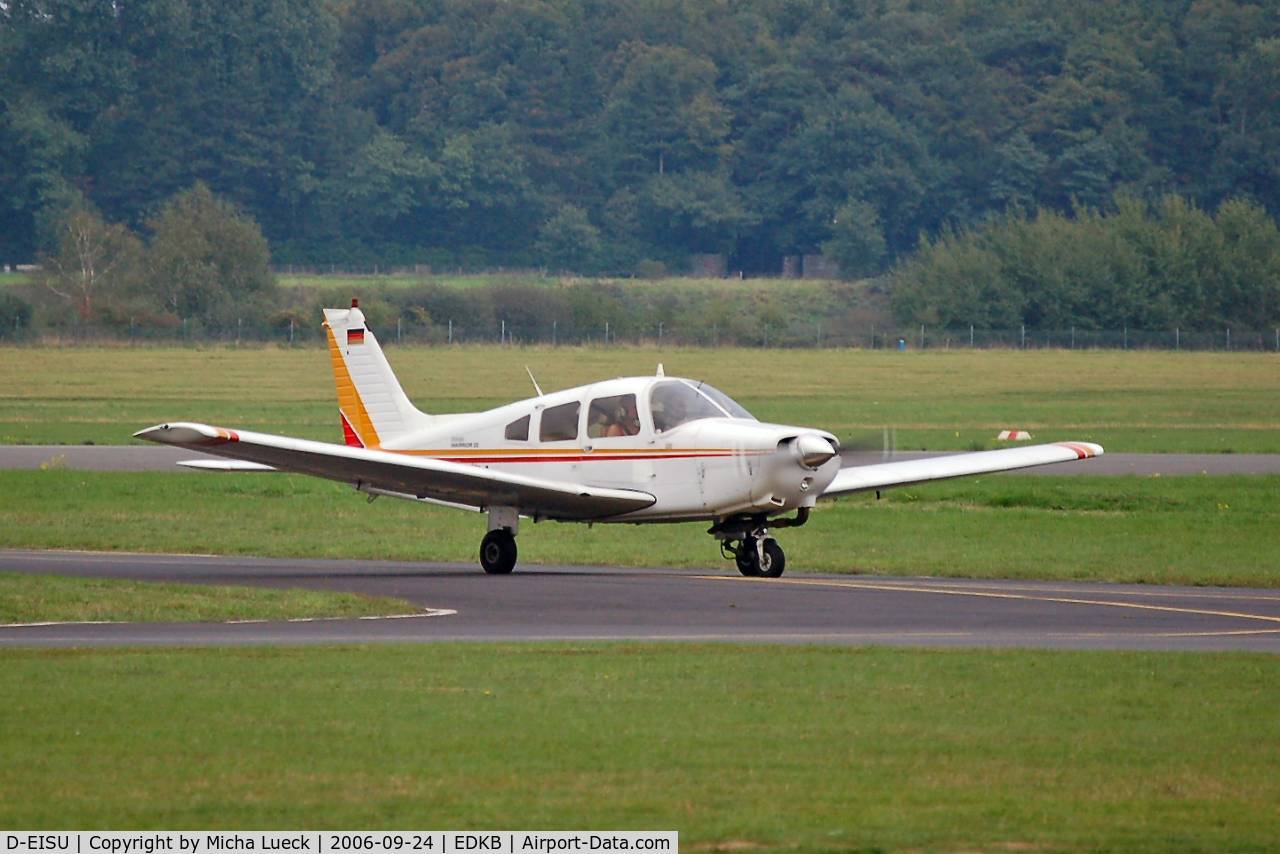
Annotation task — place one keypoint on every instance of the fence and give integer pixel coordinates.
(733, 333)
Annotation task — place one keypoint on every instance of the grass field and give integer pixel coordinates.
(372, 284)
(944, 400)
(28, 598)
(738, 748)
(1195, 530)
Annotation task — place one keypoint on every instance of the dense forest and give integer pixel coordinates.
(602, 135)
(603, 132)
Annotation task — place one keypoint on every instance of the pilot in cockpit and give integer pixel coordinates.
(626, 421)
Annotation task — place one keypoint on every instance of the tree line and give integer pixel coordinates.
(203, 266)
(598, 135)
(200, 270)
(1161, 266)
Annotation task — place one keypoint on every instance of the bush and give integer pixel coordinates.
(208, 260)
(651, 269)
(15, 316)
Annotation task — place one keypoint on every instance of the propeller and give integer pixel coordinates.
(883, 441)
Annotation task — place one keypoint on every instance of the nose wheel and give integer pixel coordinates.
(759, 557)
(745, 540)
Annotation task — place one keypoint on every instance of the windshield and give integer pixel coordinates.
(676, 402)
(728, 404)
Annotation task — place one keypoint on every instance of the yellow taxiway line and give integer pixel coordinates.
(989, 594)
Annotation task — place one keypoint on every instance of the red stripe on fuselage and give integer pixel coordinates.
(570, 457)
(579, 458)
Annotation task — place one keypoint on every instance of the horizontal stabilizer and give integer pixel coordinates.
(225, 465)
(885, 475)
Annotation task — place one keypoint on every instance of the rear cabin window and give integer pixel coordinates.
(518, 430)
(560, 423)
(610, 417)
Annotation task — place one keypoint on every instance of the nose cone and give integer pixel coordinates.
(813, 450)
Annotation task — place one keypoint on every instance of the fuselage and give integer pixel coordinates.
(701, 455)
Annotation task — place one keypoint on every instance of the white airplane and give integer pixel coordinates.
(635, 449)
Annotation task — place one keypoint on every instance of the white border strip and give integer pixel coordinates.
(426, 612)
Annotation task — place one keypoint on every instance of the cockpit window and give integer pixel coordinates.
(675, 402)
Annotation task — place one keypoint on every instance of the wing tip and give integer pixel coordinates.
(187, 433)
(1083, 450)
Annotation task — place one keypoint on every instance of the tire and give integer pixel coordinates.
(498, 552)
(746, 559)
(775, 561)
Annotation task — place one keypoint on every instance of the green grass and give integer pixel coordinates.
(371, 284)
(1195, 530)
(809, 749)
(13, 278)
(26, 598)
(1135, 401)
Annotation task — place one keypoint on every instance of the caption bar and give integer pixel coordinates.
(339, 842)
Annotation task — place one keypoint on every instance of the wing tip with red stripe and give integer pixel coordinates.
(1083, 450)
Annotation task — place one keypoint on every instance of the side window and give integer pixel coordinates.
(614, 416)
(559, 423)
(518, 429)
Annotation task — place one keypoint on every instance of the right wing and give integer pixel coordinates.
(418, 477)
(884, 475)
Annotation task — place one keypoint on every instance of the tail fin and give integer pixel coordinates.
(373, 407)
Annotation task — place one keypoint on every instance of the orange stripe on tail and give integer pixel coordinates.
(354, 415)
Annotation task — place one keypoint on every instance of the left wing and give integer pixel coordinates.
(884, 475)
(417, 477)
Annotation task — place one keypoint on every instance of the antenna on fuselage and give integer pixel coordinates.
(536, 387)
(661, 372)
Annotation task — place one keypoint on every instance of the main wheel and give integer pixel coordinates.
(774, 560)
(745, 558)
(498, 552)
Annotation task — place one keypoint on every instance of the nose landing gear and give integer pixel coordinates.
(758, 557)
(745, 540)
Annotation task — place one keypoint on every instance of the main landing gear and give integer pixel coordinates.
(745, 540)
(498, 548)
(498, 552)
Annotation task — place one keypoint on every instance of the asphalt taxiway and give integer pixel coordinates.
(460, 602)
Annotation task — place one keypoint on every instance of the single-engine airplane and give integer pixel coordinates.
(635, 449)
